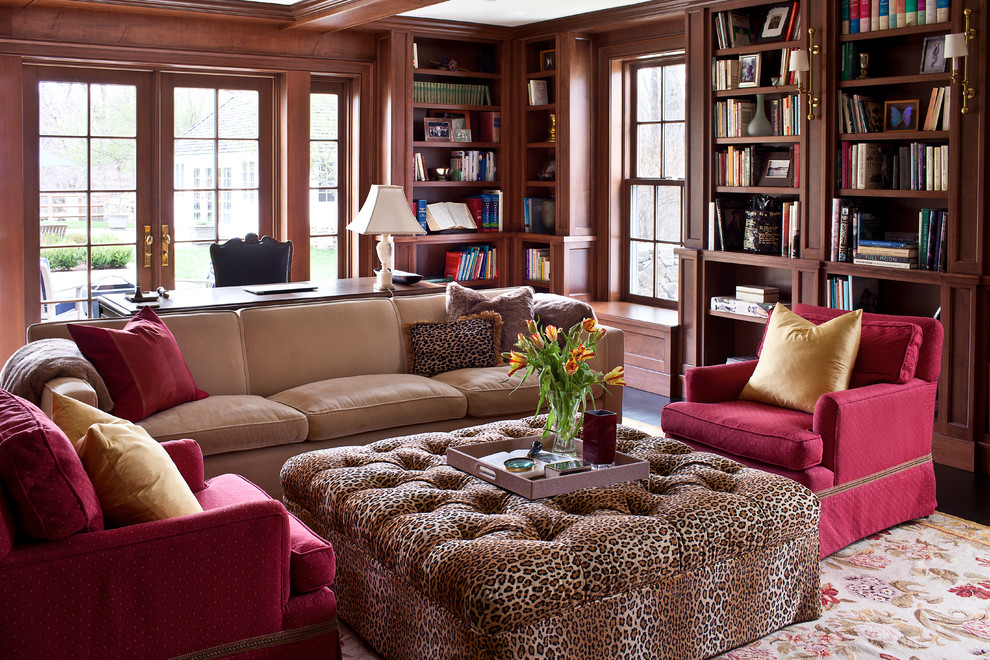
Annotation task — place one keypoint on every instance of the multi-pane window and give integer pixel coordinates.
(87, 144)
(325, 132)
(216, 130)
(655, 187)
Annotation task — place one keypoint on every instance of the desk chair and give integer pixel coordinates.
(251, 261)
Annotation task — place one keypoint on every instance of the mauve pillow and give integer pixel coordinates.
(560, 311)
(141, 365)
(51, 495)
(888, 349)
(515, 307)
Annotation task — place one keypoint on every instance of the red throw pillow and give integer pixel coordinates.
(50, 492)
(141, 365)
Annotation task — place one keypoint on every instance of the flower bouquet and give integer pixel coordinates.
(566, 378)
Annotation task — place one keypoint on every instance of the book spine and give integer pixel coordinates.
(901, 14)
(884, 264)
(931, 11)
(911, 11)
(884, 14)
(943, 235)
(924, 221)
(836, 213)
(844, 16)
(844, 226)
(922, 12)
(913, 259)
(864, 15)
(421, 214)
(888, 244)
(942, 11)
(874, 15)
(853, 16)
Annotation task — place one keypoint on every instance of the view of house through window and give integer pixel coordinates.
(216, 189)
(655, 188)
(87, 199)
(324, 182)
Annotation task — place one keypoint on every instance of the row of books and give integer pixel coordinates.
(874, 15)
(732, 116)
(539, 93)
(862, 114)
(756, 166)
(485, 210)
(539, 215)
(734, 166)
(914, 166)
(858, 237)
(451, 93)
(735, 28)
(536, 264)
(472, 165)
(475, 262)
(849, 293)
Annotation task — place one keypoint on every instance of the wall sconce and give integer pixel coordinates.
(957, 46)
(801, 62)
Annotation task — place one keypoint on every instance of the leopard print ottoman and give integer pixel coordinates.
(432, 563)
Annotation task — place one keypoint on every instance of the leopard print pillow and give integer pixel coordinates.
(468, 342)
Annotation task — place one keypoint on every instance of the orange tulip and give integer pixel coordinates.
(571, 366)
(616, 376)
(582, 353)
(589, 325)
(517, 361)
(531, 327)
(552, 332)
(537, 340)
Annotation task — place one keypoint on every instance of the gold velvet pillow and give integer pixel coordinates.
(134, 477)
(800, 361)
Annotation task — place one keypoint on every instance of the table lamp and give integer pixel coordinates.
(386, 211)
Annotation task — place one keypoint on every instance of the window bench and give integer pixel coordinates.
(650, 343)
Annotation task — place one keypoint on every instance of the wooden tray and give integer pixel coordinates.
(626, 468)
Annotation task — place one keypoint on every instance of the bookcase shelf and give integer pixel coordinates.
(897, 33)
(779, 90)
(942, 195)
(762, 140)
(759, 320)
(899, 136)
(885, 81)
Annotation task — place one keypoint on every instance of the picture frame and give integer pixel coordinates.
(548, 60)
(901, 115)
(933, 55)
(457, 119)
(749, 70)
(437, 130)
(462, 134)
(776, 170)
(776, 23)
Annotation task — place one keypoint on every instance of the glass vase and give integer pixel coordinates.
(566, 421)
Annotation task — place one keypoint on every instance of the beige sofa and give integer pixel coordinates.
(284, 380)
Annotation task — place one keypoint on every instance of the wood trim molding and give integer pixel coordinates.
(12, 244)
(333, 15)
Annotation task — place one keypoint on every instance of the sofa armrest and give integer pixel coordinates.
(187, 572)
(718, 382)
(872, 428)
(188, 457)
(611, 351)
(74, 388)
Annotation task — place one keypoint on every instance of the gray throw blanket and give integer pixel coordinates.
(36, 363)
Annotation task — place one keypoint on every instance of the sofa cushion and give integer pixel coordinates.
(491, 393)
(311, 559)
(515, 307)
(134, 477)
(229, 423)
(141, 365)
(345, 406)
(888, 348)
(468, 342)
(801, 361)
(560, 311)
(51, 495)
(778, 436)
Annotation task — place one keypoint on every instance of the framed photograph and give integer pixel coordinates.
(457, 119)
(548, 60)
(776, 23)
(776, 169)
(900, 115)
(462, 135)
(749, 70)
(437, 130)
(933, 55)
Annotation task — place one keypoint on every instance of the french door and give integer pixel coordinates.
(137, 173)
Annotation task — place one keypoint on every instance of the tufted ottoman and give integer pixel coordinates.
(433, 563)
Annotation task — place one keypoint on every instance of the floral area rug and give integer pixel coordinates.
(918, 591)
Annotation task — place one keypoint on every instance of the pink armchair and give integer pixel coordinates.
(865, 451)
(243, 578)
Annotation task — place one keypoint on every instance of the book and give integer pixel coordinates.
(845, 228)
(837, 205)
(890, 243)
(740, 32)
(734, 305)
(491, 126)
(538, 94)
(420, 211)
(755, 293)
(868, 256)
(441, 216)
(496, 208)
(862, 261)
(731, 221)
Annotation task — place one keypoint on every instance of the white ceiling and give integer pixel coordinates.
(504, 12)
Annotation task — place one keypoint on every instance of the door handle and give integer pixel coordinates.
(148, 242)
(166, 243)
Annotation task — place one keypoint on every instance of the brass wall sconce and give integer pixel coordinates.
(802, 62)
(956, 47)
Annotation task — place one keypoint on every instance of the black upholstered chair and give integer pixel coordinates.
(251, 261)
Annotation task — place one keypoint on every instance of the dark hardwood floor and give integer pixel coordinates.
(959, 493)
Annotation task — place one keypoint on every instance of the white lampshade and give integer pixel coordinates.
(799, 61)
(386, 211)
(955, 45)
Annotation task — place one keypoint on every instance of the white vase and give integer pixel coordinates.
(759, 124)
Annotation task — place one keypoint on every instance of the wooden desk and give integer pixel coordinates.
(114, 305)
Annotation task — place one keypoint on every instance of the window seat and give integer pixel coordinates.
(650, 342)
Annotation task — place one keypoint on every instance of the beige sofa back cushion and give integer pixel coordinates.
(210, 343)
(291, 345)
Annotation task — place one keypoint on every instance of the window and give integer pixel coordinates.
(325, 131)
(655, 186)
